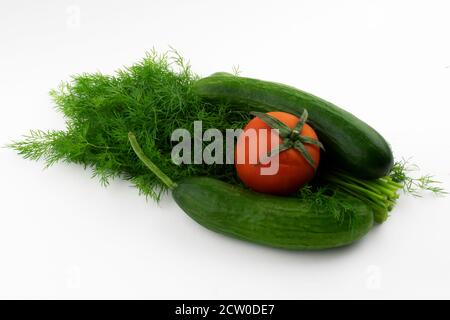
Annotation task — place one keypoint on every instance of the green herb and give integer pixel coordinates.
(150, 98)
(325, 196)
(382, 194)
(401, 173)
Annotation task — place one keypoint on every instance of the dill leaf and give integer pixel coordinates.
(402, 173)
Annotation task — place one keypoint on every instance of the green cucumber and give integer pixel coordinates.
(350, 143)
(283, 222)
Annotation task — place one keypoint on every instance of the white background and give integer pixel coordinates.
(64, 236)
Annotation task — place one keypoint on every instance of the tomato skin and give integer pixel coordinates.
(293, 172)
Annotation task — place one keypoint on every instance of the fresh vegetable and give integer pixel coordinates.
(351, 144)
(282, 222)
(293, 165)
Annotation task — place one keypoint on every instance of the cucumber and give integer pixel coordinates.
(350, 143)
(281, 222)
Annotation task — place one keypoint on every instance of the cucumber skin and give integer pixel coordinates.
(281, 222)
(350, 143)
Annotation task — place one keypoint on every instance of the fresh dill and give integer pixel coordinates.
(402, 173)
(382, 194)
(151, 98)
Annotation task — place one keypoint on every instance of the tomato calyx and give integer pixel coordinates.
(291, 138)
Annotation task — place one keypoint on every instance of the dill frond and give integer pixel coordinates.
(325, 198)
(402, 173)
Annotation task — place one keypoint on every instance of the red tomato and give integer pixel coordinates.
(294, 171)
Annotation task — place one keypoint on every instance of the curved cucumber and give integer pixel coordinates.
(281, 222)
(350, 143)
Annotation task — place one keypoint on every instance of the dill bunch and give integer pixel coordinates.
(151, 98)
(381, 194)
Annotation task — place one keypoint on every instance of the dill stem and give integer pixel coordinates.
(389, 192)
(375, 203)
(362, 183)
(380, 210)
(368, 193)
(377, 186)
(141, 155)
(388, 184)
(393, 183)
